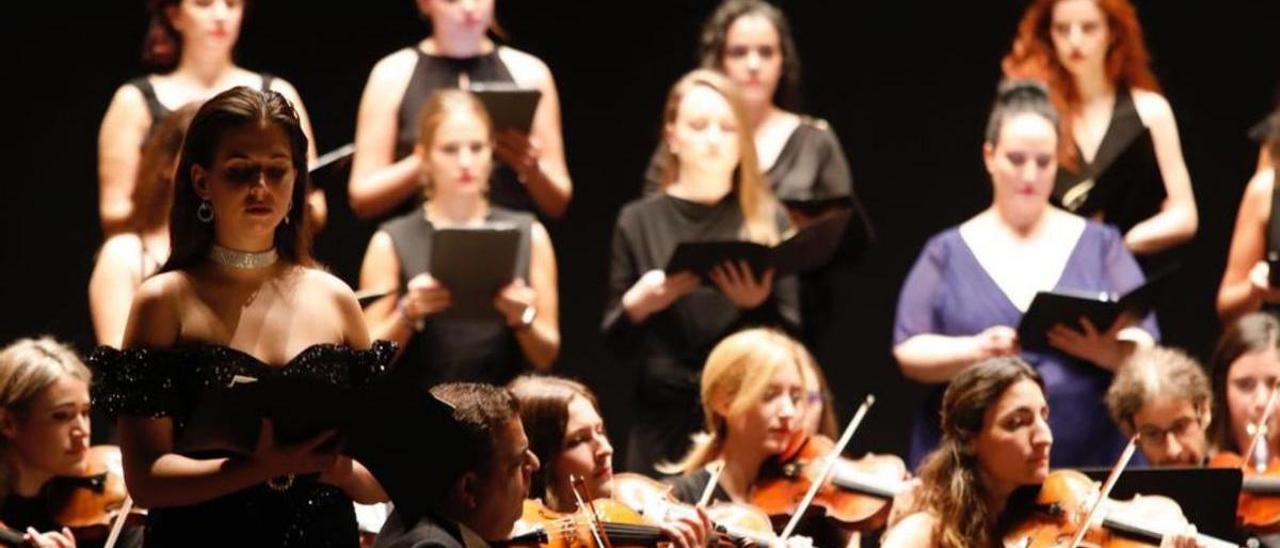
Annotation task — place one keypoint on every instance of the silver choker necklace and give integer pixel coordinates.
(242, 259)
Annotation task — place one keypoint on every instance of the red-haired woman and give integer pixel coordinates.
(1121, 157)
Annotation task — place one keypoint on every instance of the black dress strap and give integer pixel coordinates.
(155, 108)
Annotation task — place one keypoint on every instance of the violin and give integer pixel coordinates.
(1067, 497)
(858, 495)
(735, 524)
(550, 529)
(89, 503)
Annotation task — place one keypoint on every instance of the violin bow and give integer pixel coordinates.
(593, 520)
(118, 524)
(1105, 491)
(716, 469)
(829, 464)
(1260, 431)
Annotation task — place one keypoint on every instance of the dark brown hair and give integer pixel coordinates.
(544, 410)
(235, 108)
(153, 188)
(481, 412)
(950, 486)
(1254, 332)
(715, 34)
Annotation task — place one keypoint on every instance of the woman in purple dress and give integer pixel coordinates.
(969, 288)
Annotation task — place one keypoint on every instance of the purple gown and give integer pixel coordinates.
(949, 293)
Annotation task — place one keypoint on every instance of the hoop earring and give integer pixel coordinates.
(204, 213)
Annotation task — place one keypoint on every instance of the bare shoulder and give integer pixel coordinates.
(318, 285)
(525, 68)
(123, 247)
(1152, 107)
(128, 103)
(164, 287)
(1257, 194)
(915, 530)
(159, 298)
(394, 67)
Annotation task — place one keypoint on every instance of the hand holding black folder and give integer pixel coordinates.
(227, 419)
(805, 250)
(1050, 308)
(509, 106)
(474, 264)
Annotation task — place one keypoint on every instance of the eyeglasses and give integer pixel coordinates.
(1150, 435)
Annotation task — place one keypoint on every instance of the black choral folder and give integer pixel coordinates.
(394, 428)
(1066, 307)
(805, 250)
(474, 264)
(509, 106)
(330, 168)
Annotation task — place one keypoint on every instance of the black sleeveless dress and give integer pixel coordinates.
(433, 73)
(165, 382)
(1122, 185)
(157, 109)
(451, 350)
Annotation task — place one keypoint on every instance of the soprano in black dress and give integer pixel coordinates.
(159, 383)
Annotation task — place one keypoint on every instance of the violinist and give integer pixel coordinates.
(44, 419)
(484, 477)
(754, 395)
(1162, 395)
(1245, 368)
(1245, 365)
(995, 439)
(567, 434)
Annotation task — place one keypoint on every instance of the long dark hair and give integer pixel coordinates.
(153, 187)
(715, 33)
(544, 410)
(951, 488)
(237, 107)
(1254, 332)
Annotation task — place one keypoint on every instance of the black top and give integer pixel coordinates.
(810, 174)
(427, 532)
(157, 109)
(451, 350)
(670, 347)
(160, 383)
(811, 167)
(432, 73)
(1123, 184)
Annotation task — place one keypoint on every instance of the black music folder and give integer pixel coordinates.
(812, 207)
(805, 250)
(1066, 307)
(474, 264)
(394, 428)
(330, 169)
(227, 419)
(509, 106)
(1208, 496)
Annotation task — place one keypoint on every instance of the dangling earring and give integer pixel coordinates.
(204, 213)
(287, 212)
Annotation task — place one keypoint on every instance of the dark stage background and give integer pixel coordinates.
(906, 85)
